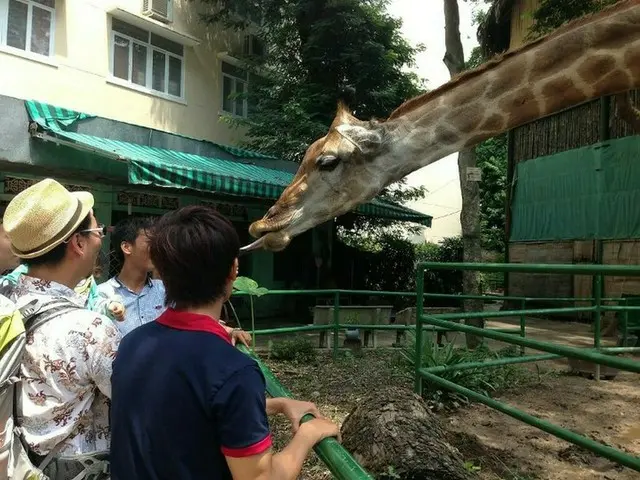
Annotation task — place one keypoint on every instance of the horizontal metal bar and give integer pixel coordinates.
(427, 295)
(580, 269)
(620, 349)
(619, 308)
(572, 437)
(332, 292)
(574, 352)
(491, 363)
(339, 461)
(302, 328)
(312, 328)
(507, 313)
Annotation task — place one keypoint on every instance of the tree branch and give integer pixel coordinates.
(454, 56)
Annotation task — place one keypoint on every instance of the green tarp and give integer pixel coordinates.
(586, 193)
(169, 168)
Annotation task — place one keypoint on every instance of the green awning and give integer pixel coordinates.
(169, 168)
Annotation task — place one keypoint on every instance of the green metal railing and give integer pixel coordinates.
(598, 355)
(340, 462)
(337, 294)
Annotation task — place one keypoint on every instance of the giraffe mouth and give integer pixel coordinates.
(272, 241)
(270, 232)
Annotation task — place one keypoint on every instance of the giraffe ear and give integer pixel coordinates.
(367, 140)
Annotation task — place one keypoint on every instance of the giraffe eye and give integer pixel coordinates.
(327, 163)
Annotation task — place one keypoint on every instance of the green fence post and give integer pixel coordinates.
(625, 320)
(523, 306)
(598, 318)
(336, 322)
(419, 311)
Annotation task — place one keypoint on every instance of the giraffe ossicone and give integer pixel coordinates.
(586, 59)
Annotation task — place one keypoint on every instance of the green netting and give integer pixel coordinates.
(587, 193)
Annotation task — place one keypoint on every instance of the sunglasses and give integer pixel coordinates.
(101, 230)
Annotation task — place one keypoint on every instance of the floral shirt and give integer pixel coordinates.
(67, 374)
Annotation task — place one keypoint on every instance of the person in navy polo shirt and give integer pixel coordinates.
(185, 403)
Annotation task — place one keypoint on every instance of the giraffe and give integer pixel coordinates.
(588, 58)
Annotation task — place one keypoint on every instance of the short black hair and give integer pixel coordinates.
(127, 230)
(193, 249)
(55, 256)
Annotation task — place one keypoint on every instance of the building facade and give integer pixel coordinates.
(128, 99)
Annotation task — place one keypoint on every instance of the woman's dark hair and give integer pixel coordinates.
(55, 256)
(193, 248)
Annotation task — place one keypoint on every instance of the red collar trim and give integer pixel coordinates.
(181, 320)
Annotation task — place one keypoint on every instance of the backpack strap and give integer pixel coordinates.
(35, 314)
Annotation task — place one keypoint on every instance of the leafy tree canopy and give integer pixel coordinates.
(552, 14)
(318, 50)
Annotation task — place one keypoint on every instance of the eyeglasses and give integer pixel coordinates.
(101, 230)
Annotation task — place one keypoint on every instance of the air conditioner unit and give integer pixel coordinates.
(158, 9)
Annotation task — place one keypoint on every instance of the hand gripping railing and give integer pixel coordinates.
(340, 462)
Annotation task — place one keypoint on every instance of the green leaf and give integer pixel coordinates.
(245, 285)
(258, 292)
(250, 286)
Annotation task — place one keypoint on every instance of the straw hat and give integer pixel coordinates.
(43, 216)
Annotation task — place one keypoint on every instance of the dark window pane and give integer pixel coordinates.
(167, 45)
(129, 30)
(234, 71)
(239, 98)
(159, 70)
(121, 57)
(175, 76)
(46, 3)
(40, 31)
(227, 91)
(139, 65)
(17, 25)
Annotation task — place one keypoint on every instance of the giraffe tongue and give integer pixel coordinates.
(252, 246)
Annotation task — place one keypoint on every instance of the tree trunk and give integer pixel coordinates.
(394, 435)
(470, 191)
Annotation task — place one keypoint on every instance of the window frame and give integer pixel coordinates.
(234, 79)
(150, 48)
(4, 29)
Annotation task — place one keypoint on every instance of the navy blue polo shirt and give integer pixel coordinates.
(183, 398)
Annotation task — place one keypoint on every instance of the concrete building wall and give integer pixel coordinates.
(77, 74)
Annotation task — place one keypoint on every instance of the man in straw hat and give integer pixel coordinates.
(63, 400)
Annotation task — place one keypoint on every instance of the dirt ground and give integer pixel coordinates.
(501, 447)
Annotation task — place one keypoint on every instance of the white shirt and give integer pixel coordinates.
(66, 374)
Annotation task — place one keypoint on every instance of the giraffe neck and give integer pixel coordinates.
(585, 60)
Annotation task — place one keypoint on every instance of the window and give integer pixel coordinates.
(28, 25)
(147, 60)
(234, 85)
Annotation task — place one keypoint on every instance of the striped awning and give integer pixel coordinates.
(170, 168)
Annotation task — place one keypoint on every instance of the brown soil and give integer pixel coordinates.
(500, 446)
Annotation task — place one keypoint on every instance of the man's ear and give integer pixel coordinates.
(366, 139)
(126, 248)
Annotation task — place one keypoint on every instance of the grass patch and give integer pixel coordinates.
(489, 381)
(299, 350)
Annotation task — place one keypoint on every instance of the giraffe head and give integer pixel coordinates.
(338, 172)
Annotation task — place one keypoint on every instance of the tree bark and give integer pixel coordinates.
(394, 435)
(470, 191)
